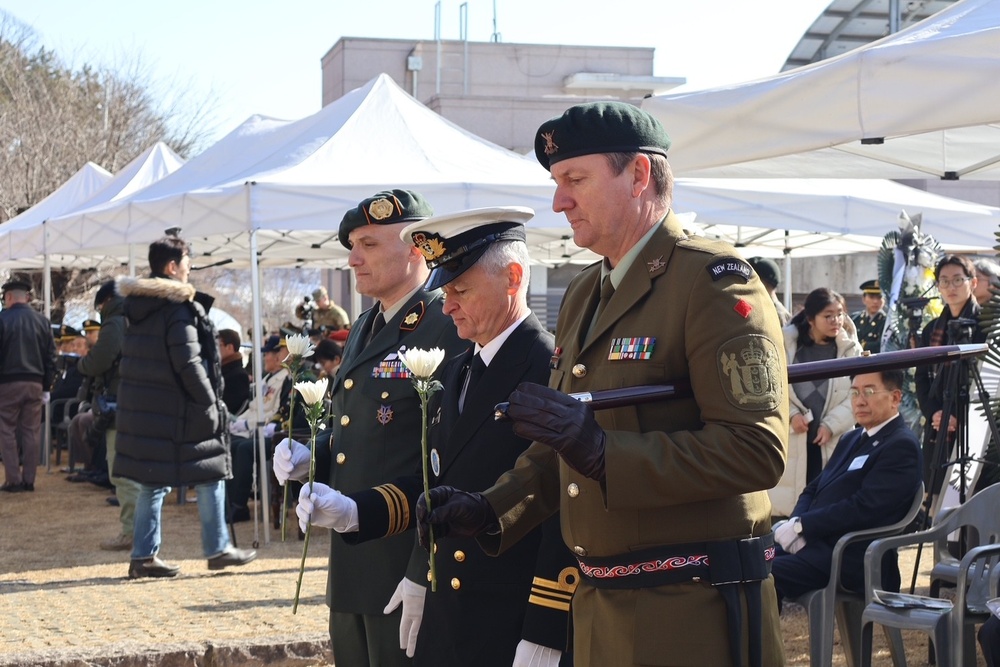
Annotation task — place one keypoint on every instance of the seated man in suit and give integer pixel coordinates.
(870, 481)
(989, 641)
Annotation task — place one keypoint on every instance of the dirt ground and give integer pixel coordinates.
(51, 535)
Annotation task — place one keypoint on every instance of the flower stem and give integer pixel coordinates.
(315, 414)
(284, 493)
(423, 450)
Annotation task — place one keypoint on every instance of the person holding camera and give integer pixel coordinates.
(320, 312)
(958, 323)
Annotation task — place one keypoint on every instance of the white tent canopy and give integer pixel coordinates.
(921, 103)
(292, 182)
(80, 187)
(25, 241)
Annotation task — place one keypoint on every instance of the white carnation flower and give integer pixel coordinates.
(312, 392)
(422, 363)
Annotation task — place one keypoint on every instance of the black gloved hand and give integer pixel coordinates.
(453, 513)
(561, 422)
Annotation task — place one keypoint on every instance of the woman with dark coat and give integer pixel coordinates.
(172, 422)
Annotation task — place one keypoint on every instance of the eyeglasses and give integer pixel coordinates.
(868, 392)
(954, 282)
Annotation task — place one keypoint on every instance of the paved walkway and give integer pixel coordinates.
(65, 602)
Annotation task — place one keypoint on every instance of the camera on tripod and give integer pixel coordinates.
(960, 330)
(915, 305)
(308, 305)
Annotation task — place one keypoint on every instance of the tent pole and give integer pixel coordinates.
(47, 288)
(257, 376)
(788, 273)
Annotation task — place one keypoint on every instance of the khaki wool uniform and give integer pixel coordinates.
(677, 471)
(333, 318)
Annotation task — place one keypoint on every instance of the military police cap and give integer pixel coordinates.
(599, 127)
(870, 287)
(91, 325)
(766, 269)
(385, 208)
(452, 243)
(66, 332)
(16, 285)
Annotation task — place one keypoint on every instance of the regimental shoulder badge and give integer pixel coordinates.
(380, 209)
(750, 372)
(730, 266)
(412, 317)
(550, 144)
(431, 246)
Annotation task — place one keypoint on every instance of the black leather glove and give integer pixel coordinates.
(453, 513)
(561, 422)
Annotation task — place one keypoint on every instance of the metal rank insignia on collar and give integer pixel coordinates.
(656, 264)
(633, 348)
(392, 367)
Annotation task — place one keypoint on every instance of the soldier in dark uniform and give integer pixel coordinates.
(376, 417)
(871, 321)
(485, 610)
(665, 503)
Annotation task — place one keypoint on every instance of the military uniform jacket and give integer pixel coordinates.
(376, 437)
(870, 330)
(478, 614)
(678, 471)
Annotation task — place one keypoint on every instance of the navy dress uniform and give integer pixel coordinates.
(376, 418)
(483, 606)
(870, 326)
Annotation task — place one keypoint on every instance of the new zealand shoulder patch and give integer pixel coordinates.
(750, 372)
(730, 266)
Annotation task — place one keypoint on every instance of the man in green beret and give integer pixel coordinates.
(377, 418)
(870, 322)
(664, 504)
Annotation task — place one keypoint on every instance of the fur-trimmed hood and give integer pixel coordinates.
(145, 296)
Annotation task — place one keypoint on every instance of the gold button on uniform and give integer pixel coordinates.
(341, 457)
(348, 383)
(573, 490)
(460, 556)
(385, 395)
(428, 575)
(345, 420)
(579, 370)
(579, 551)
(456, 583)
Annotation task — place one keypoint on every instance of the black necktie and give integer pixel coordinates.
(472, 376)
(377, 325)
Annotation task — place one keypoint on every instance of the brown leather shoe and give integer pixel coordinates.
(151, 567)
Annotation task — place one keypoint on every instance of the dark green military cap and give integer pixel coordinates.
(599, 127)
(767, 270)
(385, 208)
(871, 287)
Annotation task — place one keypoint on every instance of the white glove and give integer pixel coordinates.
(411, 595)
(291, 461)
(269, 429)
(45, 397)
(530, 654)
(327, 508)
(239, 427)
(786, 536)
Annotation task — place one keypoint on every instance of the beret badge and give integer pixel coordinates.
(550, 145)
(380, 209)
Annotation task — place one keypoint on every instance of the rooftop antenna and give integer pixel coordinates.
(495, 37)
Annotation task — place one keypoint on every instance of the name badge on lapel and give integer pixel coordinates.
(638, 348)
(858, 462)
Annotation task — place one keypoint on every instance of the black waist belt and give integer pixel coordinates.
(724, 564)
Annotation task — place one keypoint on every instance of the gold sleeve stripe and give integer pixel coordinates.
(555, 594)
(397, 508)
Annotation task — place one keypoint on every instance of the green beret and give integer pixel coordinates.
(599, 127)
(766, 269)
(385, 208)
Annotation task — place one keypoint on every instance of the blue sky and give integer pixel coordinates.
(259, 56)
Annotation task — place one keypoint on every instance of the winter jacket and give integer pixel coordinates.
(27, 349)
(101, 362)
(172, 422)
